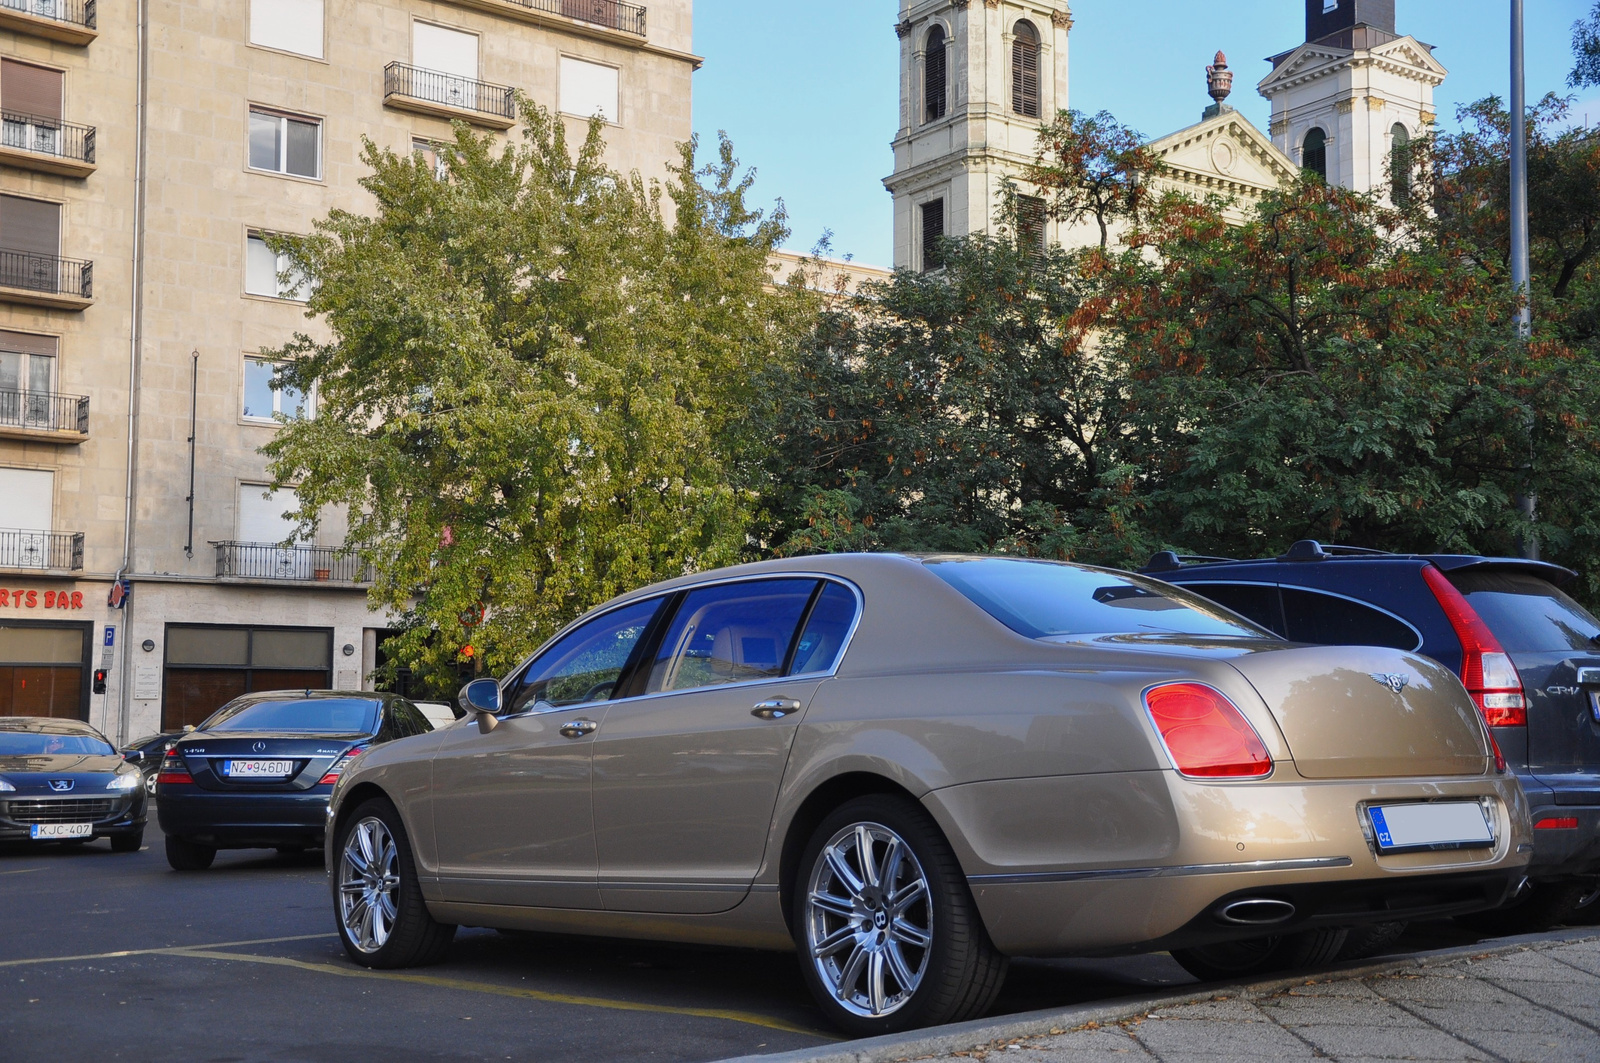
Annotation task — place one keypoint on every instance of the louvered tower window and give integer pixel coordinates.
(932, 233)
(934, 79)
(1400, 165)
(1025, 70)
(1314, 156)
(1030, 227)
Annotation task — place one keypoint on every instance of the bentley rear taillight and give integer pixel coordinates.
(1486, 670)
(1206, 735)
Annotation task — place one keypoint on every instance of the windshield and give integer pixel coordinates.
(315, 715)
(1527, 614)
(1040, 599)
(15, 744)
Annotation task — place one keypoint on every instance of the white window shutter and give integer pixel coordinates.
(288, 25)
(588, 89)
(444, 50)
(261, 520)
(30, 498)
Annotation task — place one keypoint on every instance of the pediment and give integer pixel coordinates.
(1304, 60)
(1225, 153)
(1410, 53)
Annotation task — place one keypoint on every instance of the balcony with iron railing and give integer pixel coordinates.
(41, 551)
(411, 88)
(605, 15)
(43, 416)
(68, 21)
(30, 142)
(45, 280)
(276, 563)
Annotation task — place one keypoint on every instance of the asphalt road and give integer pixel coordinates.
(114, 956)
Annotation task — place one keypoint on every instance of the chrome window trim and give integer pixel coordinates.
(1402, 621)
(1178, 871)
(844, 648)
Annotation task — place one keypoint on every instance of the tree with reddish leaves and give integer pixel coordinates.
(1092, 166)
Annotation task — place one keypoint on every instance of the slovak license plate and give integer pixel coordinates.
(1440, 825)
(257, 769)
(52, 831)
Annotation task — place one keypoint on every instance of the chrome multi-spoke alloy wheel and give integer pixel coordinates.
(369, 884)
(869, 923)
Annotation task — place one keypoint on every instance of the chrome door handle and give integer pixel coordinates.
(579, 728)
(776, 709)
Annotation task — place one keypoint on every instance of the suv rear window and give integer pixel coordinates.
(1044, 598)
(1527, 614)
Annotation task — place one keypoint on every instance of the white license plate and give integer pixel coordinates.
(1443, 825)
(257, 769)
(52, 831)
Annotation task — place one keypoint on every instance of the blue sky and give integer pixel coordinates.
(809, 91)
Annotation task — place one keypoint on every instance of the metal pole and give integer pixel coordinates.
(1528, 500)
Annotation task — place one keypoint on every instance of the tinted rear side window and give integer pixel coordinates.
(1527, 614)
(1256, 601)
(1043, 598)
(826, 630)
(1328, 620)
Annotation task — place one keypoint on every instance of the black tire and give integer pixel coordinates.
(1370, 940)
(129, 843)
(414, 938)
(1234, 960)
(959, 971)
(188, 856)
(1540, 907)
(1589, 914)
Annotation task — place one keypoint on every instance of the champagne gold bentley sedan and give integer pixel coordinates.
(909, 769)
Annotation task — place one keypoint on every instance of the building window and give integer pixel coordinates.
(1031, 226)
(588, 89)
(1025, 70)
(453, 53)
(27, 378)
(281, 143)
(264, 399)
(287, 25)
(434, 154)
(1400, 165)
(208, 666)
(1314, 153)
(31, 98)
(934, 76)
(268, 273)
(30, 500)
(932, 233)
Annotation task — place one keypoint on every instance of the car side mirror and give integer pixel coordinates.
(188, 727)
(481, 697)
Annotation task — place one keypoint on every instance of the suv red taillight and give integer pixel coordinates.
(1486, 670)
(1205, 734)
(174, 769)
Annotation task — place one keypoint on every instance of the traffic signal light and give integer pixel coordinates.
(99, 680)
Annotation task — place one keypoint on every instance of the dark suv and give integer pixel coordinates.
(1528, 654)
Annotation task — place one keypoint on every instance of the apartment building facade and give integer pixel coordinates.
(145, 148)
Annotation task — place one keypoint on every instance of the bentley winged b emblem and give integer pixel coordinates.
(1392, 680)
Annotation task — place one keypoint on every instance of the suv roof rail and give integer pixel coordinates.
(1171, 561)
(1312, 550)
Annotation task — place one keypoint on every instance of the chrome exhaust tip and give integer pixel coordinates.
(1256, 911)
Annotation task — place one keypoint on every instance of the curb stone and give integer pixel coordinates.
(978, 1033)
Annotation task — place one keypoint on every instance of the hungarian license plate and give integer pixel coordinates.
(1441, 825)
(45, 832)
(257, 769)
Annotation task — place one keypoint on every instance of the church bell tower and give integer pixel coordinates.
(1347, 103)
(977, 79)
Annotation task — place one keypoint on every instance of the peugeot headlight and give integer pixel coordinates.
(7, 788)
(124, 782)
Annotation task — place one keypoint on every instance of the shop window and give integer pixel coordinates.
(287, 25)
(209, 665)
(588, 89)
(42, 670)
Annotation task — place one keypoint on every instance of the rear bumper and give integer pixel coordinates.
(1565, 852)
(244, 821)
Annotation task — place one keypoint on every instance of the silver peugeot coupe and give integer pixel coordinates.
(909, 769)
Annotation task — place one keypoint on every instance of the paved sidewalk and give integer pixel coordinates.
(1532, 1004)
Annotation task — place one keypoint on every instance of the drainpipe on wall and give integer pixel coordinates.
(135, 343)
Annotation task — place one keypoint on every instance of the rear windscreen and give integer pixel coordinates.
(1527, 614)
(1042, 598)
(317, 715)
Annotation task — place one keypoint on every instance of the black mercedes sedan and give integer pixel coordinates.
(146, 752)
(61, 781)
(257, 773)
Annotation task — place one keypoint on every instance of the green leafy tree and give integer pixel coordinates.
(1586, 49)
(535, 391)
(1093, 167)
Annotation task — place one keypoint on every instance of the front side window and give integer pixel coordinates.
(1045, 599)
(268, 273)
(288, 144)
(585, 665)
(265, 399)
(731, 633)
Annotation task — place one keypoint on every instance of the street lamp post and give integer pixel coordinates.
(1527, 500)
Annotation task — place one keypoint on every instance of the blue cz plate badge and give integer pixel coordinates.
(1439, 825)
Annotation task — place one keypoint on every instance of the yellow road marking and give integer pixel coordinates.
(751, 1018)
(157, 952)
